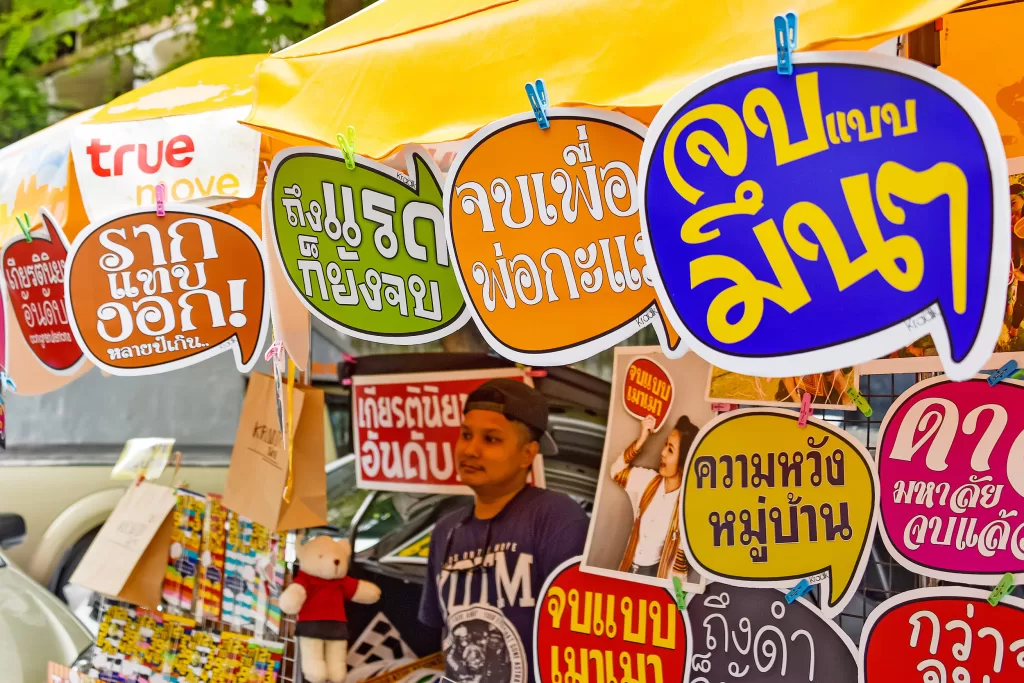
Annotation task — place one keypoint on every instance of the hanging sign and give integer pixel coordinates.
(544, 230)
(766, 502)
(952, 479)
(149, 294)
(591, 627)
(829, 217)
(741, 632)
(416, 550)
(364, 249)
(944, 634)
(406, 427)
(34, 276)
(647, 391)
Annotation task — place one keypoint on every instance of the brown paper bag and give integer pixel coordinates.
(128, 558)
(259, 462)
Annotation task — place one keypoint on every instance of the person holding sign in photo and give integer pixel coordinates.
(653, 547)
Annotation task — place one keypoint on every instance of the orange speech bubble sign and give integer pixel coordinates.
(147, 294)
(544, 229)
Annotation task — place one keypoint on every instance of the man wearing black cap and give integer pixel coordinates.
(487, 565)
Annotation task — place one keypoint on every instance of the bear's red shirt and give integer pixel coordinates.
(325, 598)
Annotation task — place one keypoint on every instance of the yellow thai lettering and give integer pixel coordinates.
(810, 111)
(702, 146)
(749, 200)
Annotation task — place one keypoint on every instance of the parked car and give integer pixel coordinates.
(35, 627)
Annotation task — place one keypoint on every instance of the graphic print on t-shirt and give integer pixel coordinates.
(483, 647)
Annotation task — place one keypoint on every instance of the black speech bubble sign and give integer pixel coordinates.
(748, 633)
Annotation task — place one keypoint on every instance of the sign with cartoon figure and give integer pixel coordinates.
(597, 628)
(148, 294)
(951, 473)
(364, 249)
(944, 634)
(544, 231)
(755, 634)
(634, 529)
(830, 217)
(34, 277)
(766, 502)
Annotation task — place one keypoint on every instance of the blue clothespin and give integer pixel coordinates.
(538, 96)
(25, 225)
(1002, 373)
(798, 591)
(785, 42)
(347, 143)
(7, 383)
(680, 593)
(1001, 590)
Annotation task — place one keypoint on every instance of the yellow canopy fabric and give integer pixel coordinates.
(406, 71)
(981, 48)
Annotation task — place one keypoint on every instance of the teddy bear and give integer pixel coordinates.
(317, 595)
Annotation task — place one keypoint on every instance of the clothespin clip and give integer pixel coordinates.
(799, 590)
(1002, 373)
(161, 197)
(25, 225)
(680, 593)
(785, 42)
(347, 144)
(141, 478)
(537, 372)
(723, 407)
(177, 468)
(1001, 590)
(275, 352)
(538, 96)
(7, 382)
(859, 401)
(266, 169)
(805, 409)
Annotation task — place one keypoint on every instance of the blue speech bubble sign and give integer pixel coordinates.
(830, 217)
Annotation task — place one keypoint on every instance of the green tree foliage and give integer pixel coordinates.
(33, 33)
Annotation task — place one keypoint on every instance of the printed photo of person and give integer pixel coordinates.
(637, 503)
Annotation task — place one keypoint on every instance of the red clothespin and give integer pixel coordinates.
(723, 407)
(161, 197)
(141, 478)
(348, 357)
(805, 409)
(537, 372)
(275, 352)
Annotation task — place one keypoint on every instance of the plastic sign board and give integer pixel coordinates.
(767, 503)
(943, 634)
(544, 230)
(149, 294)
(631, 630)
(828, 218)
(951, 472)
(364, 249)
(34, 278)
(758, 631)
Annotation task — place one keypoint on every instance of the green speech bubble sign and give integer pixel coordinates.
(365, 249)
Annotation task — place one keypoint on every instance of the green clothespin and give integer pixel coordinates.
(347, 144)
(680, 593)
(25, 225)
(859, 401)
(1001, 590)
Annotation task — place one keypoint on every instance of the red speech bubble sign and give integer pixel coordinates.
(944, 635)
(34, 274)
(148, 294)
(591, 627)
(647, 391)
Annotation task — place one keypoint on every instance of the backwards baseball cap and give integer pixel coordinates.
(516, 401)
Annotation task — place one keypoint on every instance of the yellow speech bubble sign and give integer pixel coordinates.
(767, 503)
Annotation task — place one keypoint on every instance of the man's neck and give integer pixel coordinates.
(489, 503)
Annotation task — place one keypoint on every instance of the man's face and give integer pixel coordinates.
(492, 450)
(670, 456)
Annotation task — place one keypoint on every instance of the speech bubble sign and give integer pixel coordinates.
(591, 627)
(365, 249)
(766, 503)
(951, 471)
(148, 294)
(544, 231)
(754, 635)
(943, 634)
(34, 277)
(648, 390)
(830, 217)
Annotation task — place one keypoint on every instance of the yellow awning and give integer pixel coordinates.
(406, 71)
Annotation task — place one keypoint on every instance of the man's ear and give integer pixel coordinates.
(530, 451)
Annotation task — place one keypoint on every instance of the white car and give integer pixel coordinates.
(35, 626)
